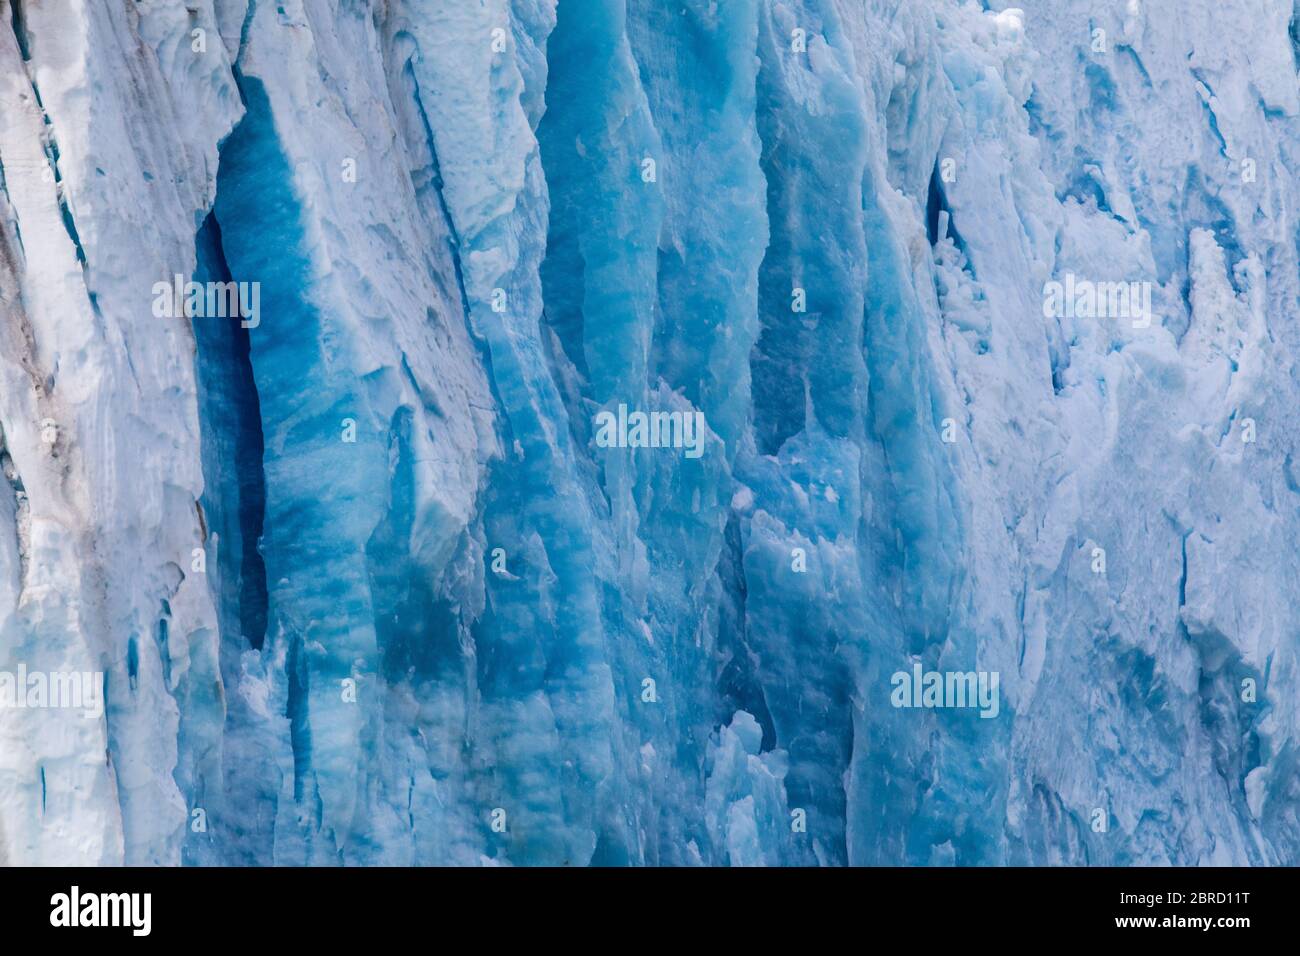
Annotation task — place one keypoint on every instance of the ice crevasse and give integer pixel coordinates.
(362, 579)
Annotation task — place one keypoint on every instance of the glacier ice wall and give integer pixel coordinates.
(365, 585)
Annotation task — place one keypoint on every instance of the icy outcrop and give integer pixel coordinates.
(989, 314)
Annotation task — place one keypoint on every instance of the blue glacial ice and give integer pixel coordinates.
(991, 314)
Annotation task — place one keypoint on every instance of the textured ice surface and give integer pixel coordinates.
(365, 587)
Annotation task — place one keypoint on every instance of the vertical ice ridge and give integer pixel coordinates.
(546, 717)
(372, 473)
(698, 67)
(104, 368)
